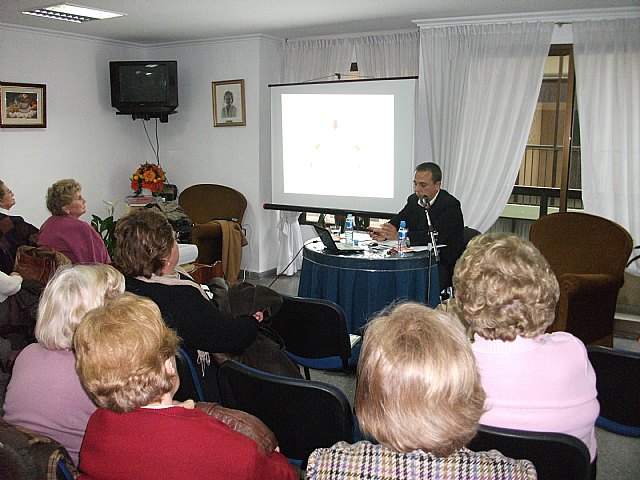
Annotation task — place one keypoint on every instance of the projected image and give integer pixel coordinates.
(338, 144)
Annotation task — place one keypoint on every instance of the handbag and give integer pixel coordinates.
(38, 263)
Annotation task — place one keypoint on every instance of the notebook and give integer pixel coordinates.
(332, 246)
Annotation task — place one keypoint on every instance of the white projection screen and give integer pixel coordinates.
(345, 145)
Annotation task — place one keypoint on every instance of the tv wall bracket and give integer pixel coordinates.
(163, 116)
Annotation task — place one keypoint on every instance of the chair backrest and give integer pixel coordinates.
(312, 328)
(581, 243)
(556, 456)
(206, 202)
(468, 234)
(190, 387)
(303, 414)
(617, 374)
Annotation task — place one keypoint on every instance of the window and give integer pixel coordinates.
(549, 178)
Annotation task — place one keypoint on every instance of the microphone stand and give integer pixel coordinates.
(424, 203)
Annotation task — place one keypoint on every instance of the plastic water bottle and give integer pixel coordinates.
(403, 238)
(348, 230)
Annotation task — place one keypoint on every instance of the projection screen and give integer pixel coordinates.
(344, 145)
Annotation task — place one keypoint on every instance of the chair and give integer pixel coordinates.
(190, 387)
(315, 334)
(556, 456)
(204, 203)
(28, 455)
(468, 234)
(303, 414)
(588, 254)
(617, 374)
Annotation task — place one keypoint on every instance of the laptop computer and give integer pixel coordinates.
(333, 247)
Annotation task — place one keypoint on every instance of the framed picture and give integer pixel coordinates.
(23, 105)
(228, 103)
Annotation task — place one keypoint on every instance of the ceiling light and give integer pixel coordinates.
(71, 13)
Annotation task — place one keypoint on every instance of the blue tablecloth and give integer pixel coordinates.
(363, 284)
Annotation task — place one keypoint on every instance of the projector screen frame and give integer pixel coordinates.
(343, 203)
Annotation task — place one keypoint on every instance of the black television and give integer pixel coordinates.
(144, 89)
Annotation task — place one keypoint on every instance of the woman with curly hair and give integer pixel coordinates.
(64, 232)
(534, 380)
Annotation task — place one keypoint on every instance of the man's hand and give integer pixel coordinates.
(386, 232)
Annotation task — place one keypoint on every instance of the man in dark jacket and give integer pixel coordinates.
(446, 219)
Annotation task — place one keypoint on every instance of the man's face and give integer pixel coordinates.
(423, 184)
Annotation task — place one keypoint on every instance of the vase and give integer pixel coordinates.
(146, 192)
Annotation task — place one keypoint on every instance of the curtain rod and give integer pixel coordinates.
(560, 17)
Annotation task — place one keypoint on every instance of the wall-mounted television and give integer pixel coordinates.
(144, 89)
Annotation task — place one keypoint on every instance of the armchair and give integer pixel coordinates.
(588, 254)
(216, 209)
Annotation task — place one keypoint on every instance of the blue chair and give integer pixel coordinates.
(190, 387)
(315, 335)
(556, 456)
(303, 414)
(617, 382)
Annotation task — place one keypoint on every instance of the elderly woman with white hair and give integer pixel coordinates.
(534, 380)
(419, 397)
(45, 394)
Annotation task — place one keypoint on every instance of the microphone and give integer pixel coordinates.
(423, 201)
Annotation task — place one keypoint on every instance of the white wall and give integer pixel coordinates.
(84, 139)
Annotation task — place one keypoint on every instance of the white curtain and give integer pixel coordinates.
(315, 60)
(607, 61)
(481, 86)
(290, 238)
(392, 55)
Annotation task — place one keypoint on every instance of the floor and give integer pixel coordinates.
(618, 456)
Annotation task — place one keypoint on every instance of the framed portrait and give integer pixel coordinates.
(23, 105)
(228, 103)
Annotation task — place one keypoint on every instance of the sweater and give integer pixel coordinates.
(544, 384)
(74, 238)
(173, 443)
(364, 460)
(45, 395)
(197, 320)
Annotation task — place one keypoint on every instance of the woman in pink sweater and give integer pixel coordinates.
(534, 380)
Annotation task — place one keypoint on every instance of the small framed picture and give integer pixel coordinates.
(228, 103)
(23, 105)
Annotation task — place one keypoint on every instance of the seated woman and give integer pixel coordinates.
(534, 380)
(419, 396)
(64, 232)
(126, 360)
(14, 231)
(147, 254)
(45, 394)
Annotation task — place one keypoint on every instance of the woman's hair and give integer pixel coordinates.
(70, 293)
(2, 187)
(60, 194)
(505, 288)
(418, 387)
(121, 349)
(144, 239)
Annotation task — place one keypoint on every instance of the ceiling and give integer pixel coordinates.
(149, 22)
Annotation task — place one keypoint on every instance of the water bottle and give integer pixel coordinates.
(403, 238)
(348, 230)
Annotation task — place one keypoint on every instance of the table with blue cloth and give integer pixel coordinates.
(364, 283)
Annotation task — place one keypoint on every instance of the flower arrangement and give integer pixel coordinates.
(148, 176)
